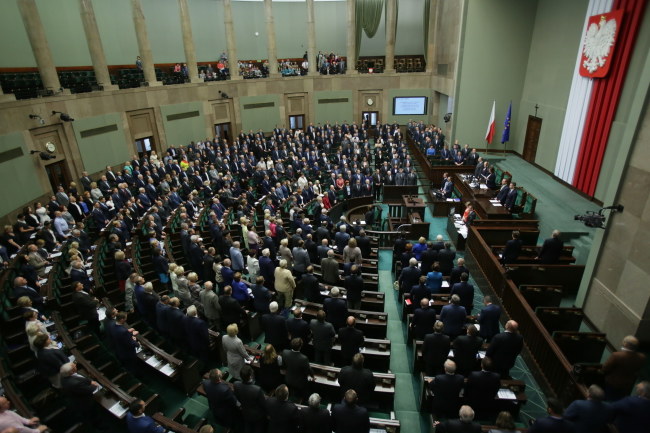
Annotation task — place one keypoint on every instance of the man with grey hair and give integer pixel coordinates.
(632, 414)
(315, 418)
(465, 423)
(551, 249)
(275, 328)
(195, 256)
(330, 269)
(196, 334)
(336, 309)
(211, 307)
(453, 316)
(446, 390)
(236, 257)
(78, 388)
(341, 238)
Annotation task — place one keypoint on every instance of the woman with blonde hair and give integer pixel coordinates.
(352, 253)
(183, 287)
(270, 376)
(129, 293)
(236, 354)
(172, 278)
(95, 192)
(122, 269)
(285, 253)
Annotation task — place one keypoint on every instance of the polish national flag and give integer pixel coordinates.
(489, 135)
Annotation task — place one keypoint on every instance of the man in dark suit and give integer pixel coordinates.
(423, 319)
(348, 417)
(86, 306)
(410, 275)
(632, 414)
(252, 400)
(311, 286)
(488, 319)
(267, 267)
(511, 198)
(330, 269)
(446, 258)
(315, 419)
(275, 328)
(465, 292)
(512, 249)
(503, 191)
(435, 350)
(196, 333)
(138, 422)
(336, 309)
(429, 256)
(363, 242)
(446, 389)
(482, 387)
(553, 423)
(176, 322)
(504, 349)
(125, 343)
(360, 379)
(22, 289)
(457, 271)
(454, 317)
(354, 286)
(222, 401)
(464, 424)
(466, 349)
(298, 370)
(590, 415)
(419, 291)
(261, 296)
(79, 389)
(351, 339)
(551, 249)
(283, 415)
(323, 335)
(297, 326)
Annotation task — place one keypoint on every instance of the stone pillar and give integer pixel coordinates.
(390, 36)
(432, 62)
(95, 45)
(40, 47)
(311, 39)
(230, 41)
(270, 39)
(143, 44)
(188, 42)
(352, 41)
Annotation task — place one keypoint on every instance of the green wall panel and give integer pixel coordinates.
(64, 32)
(209, 38)
(18, 52)
(20, 186)
(164, 30)
(265, 118)
(249, 18)
(290, 29)
(331, 32)
(115, 22)
(182, 131)
(335, 111)
(98, 151)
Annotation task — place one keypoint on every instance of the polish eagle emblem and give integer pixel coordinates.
(598, 45)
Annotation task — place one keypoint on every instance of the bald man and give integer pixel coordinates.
(504, 349)
(622, 368)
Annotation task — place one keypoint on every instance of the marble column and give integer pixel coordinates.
(390, 35)
(95, 47)
(351, 60)
(432, 62)
(188, 42)
(230, 41)
(270, 39)
(143, 44)
(311, 39)
(40, 47)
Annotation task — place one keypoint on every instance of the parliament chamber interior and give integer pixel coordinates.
(386, 216)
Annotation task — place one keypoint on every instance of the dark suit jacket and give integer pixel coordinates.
(503, 351)
(446, 259)
(511, 251)
(621, 369)
(458, 426)
(253, 402)
(298, 328)
(511, 199)
(435, 350)
(350, 419)
(418, 292)
(311, 288)
(283, 416)
(631, 414)
(423, 320)
(124, 343)
(315, 420)
(551, 250)
(77, 387)
(466, 348)
(454, 318)
(176, 324)
(589, 416)
(446, 390)
(85, 305)
(360, 380)
(275, 331)
(336, 311)
(196, 334)
(552, 425)
(32, 294)
(222, 402)
(351, 339)
(466, 293)
(409, 277)
(298, 369)
(481, 388)
(456, 272)
(354, 286)
(50, 361)
(489, 321)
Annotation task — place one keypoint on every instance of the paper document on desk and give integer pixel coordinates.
(167, 370)
(445, 283)
(496, 204)
(152, 361)
(118, 410)
(506, 394)
(101, 313)
(483, 186)
(494, 200)
(481, 354)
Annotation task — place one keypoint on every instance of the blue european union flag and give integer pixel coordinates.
(506, 126)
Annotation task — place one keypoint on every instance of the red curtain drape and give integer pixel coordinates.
(604, 99)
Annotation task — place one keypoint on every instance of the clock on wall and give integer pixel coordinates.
(50, 147)
(370, 101)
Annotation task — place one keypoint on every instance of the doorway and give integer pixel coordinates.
(533, 129)
(144, 146)
(58, 175)
(297, 121)
(370, 118)
(222, 131)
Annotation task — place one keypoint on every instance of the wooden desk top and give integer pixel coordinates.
(413, 201)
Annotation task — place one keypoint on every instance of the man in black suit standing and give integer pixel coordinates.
(505, 348)
(446, 390)
(435, 350)
(283, 415)
(22, 289)
(275, 328)
(423, 320)
(488, 319)
(457, 271)
(125, 343)
(252, 400)
(465, 292)
(511, 198)
(512, 249)
(351, 339)
(464, 424)
(315, 419)
(446, 258)
(298, 370)
(482, 387)
(429, 256)
(222, 401)
(79, 389)
(466, 349)
(311, 286)
(297, 326)
(454, 317)
(359, 379)
(348, 417)
(551, 249)
(86, 306)
(354, 286)
(409, 276)
(335, 308)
